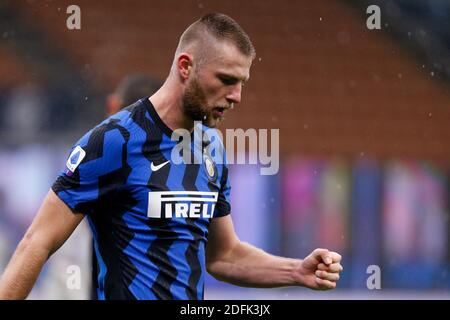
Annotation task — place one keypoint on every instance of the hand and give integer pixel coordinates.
(320, 270)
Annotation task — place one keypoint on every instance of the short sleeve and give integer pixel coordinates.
(94, 167)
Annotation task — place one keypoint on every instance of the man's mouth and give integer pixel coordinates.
(219, 111)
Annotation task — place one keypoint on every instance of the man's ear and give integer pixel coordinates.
(184, 65)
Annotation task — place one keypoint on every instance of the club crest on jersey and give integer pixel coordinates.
(75, 158)
(210, 167)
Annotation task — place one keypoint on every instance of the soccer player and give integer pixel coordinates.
(158, 225)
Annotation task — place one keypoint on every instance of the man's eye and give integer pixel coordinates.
(227, 81)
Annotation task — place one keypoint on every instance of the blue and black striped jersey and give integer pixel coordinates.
(149, 216)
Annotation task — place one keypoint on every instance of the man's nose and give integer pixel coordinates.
(235, 94)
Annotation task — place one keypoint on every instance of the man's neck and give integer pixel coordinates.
(169, 106)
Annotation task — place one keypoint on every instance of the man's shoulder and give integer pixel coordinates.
(125, 116)
(122, 120)
(111, 132)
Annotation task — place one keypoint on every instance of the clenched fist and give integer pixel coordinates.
(320, 270)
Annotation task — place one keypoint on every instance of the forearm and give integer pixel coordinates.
(23, 270)
(248, 266)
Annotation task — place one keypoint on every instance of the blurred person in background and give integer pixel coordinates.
(130, 89)
(119, 171)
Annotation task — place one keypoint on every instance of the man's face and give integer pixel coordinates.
(215, 85)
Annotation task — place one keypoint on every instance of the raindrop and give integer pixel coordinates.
(432, 73)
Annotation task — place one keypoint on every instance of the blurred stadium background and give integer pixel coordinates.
(364, 119)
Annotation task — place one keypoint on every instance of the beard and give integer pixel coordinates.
(194, 104)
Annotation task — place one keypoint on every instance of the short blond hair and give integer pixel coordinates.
(221, 27)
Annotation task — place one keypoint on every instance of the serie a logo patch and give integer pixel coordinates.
(75, 158)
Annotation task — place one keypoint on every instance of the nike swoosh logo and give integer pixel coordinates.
(159, 166)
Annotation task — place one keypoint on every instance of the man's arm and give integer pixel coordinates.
(228, 259)
(51, 227)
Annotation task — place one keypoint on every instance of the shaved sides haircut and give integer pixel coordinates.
(219, 26)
